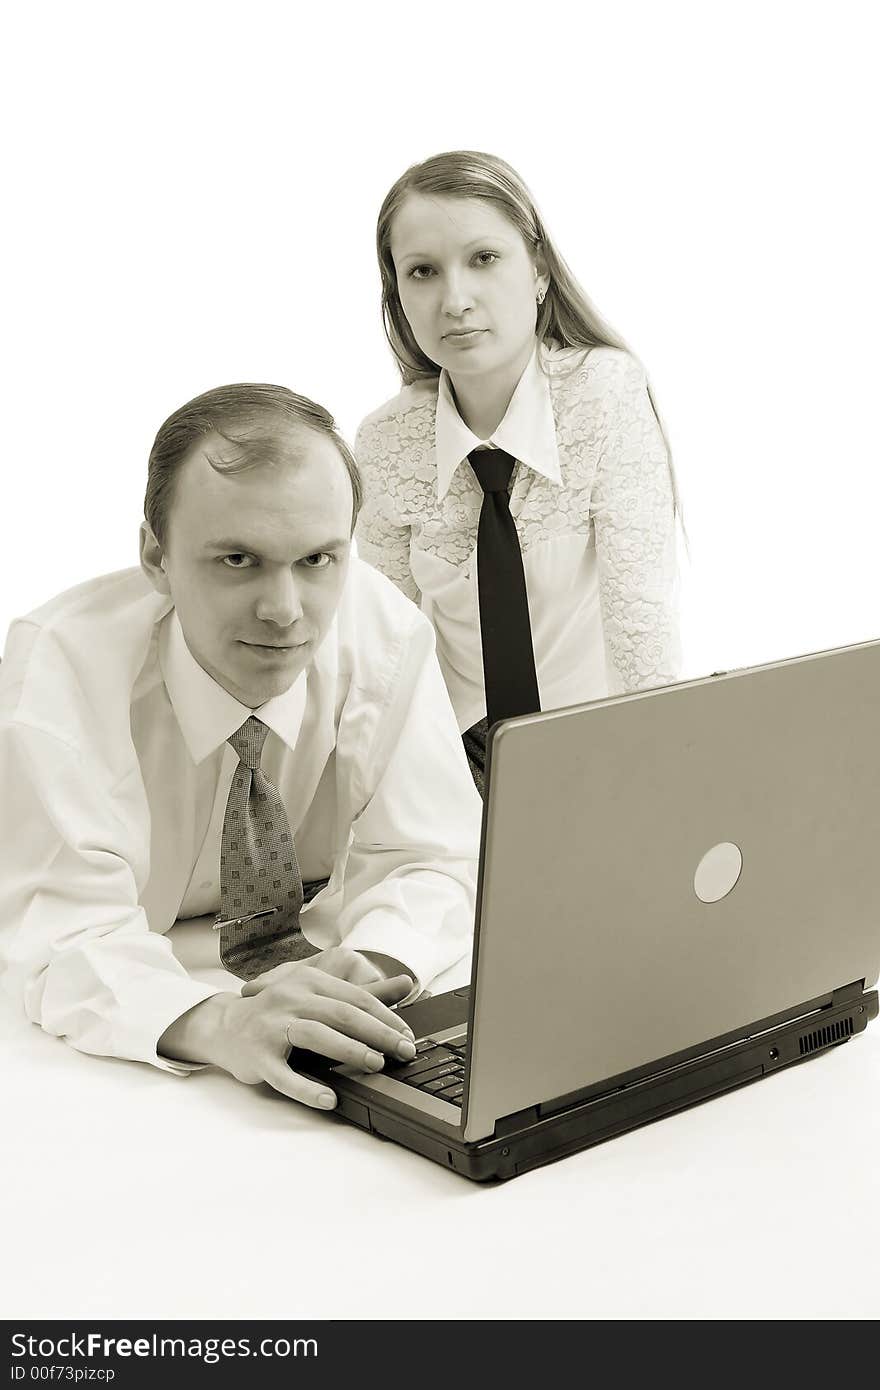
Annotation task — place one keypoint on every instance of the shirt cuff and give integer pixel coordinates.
(156, 1011)
(421, 957)
(390, 967)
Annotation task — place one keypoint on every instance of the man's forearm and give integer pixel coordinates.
(197, 1036)
(389, 965)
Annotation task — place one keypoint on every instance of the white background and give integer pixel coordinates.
(191, 199)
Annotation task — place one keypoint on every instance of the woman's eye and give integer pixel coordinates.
(486, 257)
(421, 272)
(238, 561)
(318, 561)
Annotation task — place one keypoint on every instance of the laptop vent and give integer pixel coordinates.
(823, 1037)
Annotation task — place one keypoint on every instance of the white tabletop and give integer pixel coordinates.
(128, 1192)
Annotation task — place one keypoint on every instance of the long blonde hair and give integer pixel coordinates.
(566, 317)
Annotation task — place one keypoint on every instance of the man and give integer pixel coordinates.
(251, 709)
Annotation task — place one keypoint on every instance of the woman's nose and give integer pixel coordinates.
(457, 296)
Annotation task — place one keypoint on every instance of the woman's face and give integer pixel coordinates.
(467, 283)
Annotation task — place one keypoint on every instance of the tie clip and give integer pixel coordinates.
(248, 917)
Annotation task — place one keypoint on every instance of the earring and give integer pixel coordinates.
(540, 296)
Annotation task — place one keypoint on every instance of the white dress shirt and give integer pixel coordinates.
(593, 505)
(115, 773)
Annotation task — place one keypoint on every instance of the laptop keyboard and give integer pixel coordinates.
(437, 1069)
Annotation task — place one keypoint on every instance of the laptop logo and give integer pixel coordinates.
(718, 872)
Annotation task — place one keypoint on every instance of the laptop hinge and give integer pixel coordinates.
(509, 1123)
(844, 993)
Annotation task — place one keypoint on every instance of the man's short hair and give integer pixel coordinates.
(257, 420)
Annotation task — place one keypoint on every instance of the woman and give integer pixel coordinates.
(519, 487)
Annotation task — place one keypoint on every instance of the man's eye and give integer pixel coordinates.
(238, 561)
(317, 561)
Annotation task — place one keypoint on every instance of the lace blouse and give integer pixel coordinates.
(591, 495)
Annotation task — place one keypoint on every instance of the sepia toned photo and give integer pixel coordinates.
(440, 661)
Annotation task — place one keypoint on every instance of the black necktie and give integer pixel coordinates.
(508, 655)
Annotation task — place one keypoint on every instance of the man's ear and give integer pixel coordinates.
(153, 560)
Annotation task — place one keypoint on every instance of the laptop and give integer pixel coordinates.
(678, 894)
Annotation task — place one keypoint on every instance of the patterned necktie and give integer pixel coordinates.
(261, 889)
(505, 629)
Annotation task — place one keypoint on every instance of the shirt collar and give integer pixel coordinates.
(527, 432)
(208, 714)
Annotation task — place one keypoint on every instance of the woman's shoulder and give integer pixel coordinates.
(414, 404)
(593, 370)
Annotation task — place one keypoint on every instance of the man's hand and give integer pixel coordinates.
(380, 975)
(334, 1003)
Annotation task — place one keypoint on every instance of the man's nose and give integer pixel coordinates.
(279, 600)
(457, 295)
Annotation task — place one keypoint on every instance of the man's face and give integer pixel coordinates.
(255, 561)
